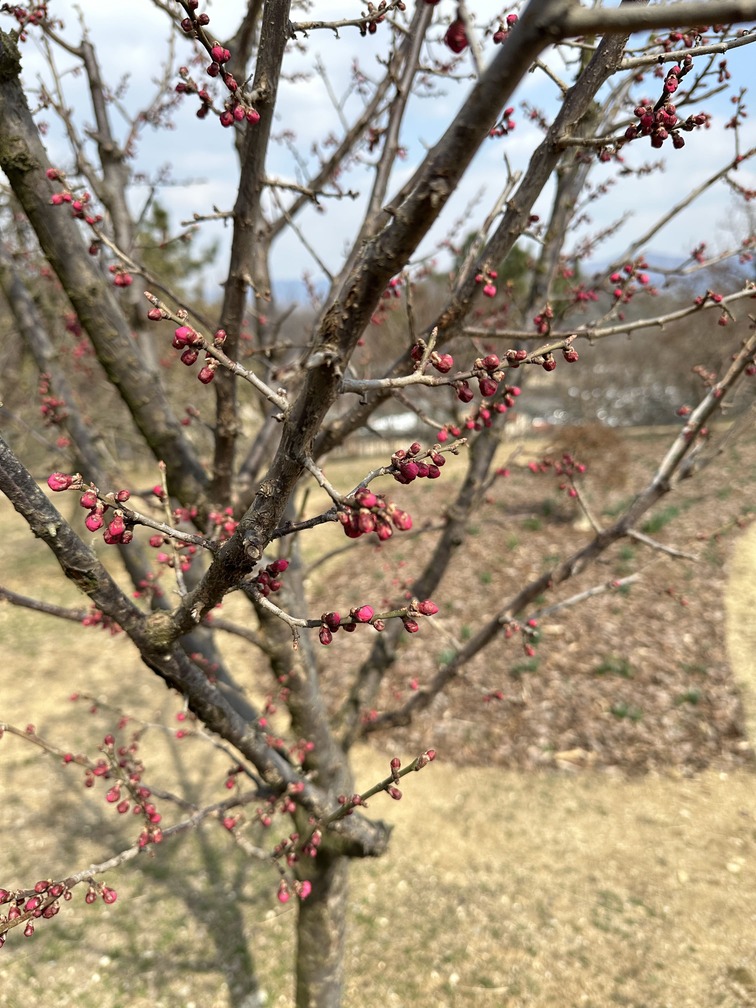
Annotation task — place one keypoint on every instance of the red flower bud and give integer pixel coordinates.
(59, 481)
(456, 36)
(428, 608)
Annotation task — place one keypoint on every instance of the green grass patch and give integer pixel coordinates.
(690, 696)
(657, 521)
(522, 668)
(623, 710)
(613, 665)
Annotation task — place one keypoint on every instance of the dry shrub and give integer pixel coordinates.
(603, 450)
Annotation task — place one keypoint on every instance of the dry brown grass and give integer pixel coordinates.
(502, 887)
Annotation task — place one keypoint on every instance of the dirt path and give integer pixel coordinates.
(740, 607)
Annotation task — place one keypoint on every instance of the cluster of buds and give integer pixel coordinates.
(33, 15)
(583, 295)
(515, 357)
(123, 770)
(689, 38)
(505, 125)
(484, 415)
(529, 634)
(96, 618)
(267, 582)
(377, 16)
(195, 21)
(373, 513)
(223, 522)
(502, 32)
(487, 278)
(121, 276)
(42, 902)
(625, 280)
(453, 429)
(443, 363)
(182, 556)
(190, 342)
(236, 108)
(331, 622)
(118, 531)
(542, 321)
(408, 464)
(710, 295)
(237, 112)
(713, 298)
(78, 204)
(566, 467)
(708, 377)
(659, 121)
(52, 408)
(489, 373)
(394, 288)
(300, 887)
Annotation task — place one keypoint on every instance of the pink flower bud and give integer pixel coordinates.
(365, 520)
(428, 608)
(93, 521)
(219, 54)
(401, 519)
(59, 481)
(189, 356)
(487, 387)
(383, 529)
(366, 498)
(182, 336)
(117, 526)
(362, 615)
(442, 362)
(464, 392)
(283, 895)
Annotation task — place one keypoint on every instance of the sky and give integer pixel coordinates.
(203, 162)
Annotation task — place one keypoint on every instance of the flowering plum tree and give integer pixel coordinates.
(269, 402)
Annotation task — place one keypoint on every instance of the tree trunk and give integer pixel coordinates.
(321, 930)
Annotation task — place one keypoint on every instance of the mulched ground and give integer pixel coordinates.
(637, 679)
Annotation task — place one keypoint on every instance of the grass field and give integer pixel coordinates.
(502, 887)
